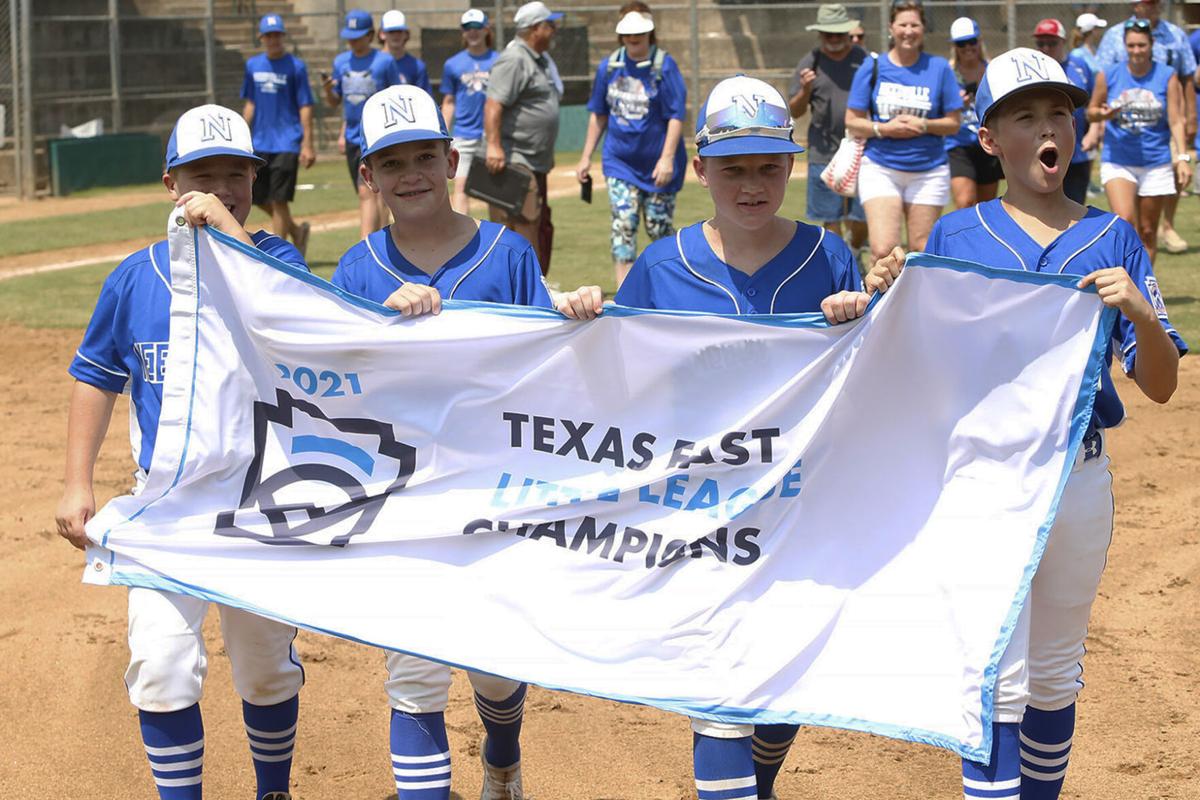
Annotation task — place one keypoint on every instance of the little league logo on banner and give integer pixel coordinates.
(746, 519)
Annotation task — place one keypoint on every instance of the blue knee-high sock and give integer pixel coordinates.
(502, 720)
(1045, 749)
(771, 744)
(420, 756)
(272, 734)
(174, 743)
(724, 768)
(1000, 779)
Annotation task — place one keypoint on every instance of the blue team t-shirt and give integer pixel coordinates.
(465, 78)
(987, 234)
(638, 108)
(682, 273)
(1080, 74)
(927, 89)
(279, 89)
(125, 345)
(410, 69)
(355, 79)
(1139, 135)
(496, 266)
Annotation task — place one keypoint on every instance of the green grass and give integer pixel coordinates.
(581, 254)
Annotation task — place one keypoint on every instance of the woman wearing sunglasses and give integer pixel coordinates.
(974, 175)
(904, 103)
(1142, 101)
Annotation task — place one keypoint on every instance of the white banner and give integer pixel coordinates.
(741, 519)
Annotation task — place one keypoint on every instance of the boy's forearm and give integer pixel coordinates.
(596, 127)
(306, 120)
(1156, 362)
(248, 112)
(448, 108)
(671, 144)
(87, 423)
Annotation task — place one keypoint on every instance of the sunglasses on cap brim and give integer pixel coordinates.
(769, 120)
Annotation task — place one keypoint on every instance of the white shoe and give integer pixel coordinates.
(500, 783)
(1171, 241)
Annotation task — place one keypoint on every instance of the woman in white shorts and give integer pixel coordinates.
(904, 103)
(1142, 102)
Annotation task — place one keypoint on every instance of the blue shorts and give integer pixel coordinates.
(826, 205)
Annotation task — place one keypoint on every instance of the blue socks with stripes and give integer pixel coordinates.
(502, 720)
(174, 743)
(770, 744)
(724, 768)
(272, 734)
(1000, 779)
(420, 756)
(1045, 749)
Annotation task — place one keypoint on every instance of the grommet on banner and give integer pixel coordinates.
(180, 221)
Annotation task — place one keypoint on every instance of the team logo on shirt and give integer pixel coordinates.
(1156, 297)
(216, 126)
(357, 86)
(475, 81)
(270, 82)
(894, 99)
(315, 479)
(1138, 109)
(628, 99)
(153, 356)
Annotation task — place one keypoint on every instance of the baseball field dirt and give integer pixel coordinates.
(68, 730)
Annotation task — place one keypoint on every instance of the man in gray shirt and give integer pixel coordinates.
(520, 120)
(821, 84)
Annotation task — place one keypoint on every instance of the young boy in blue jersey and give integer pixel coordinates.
(1025, 104)
(209, 173)
(745, 259)
(464, 92)
(393, 30)
(278, 108)
(358, 73)
(429, 252)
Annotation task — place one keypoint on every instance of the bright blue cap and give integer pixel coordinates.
(399, 114)
(270, 23)
(358, 24)
(744, 116)
(207, 131)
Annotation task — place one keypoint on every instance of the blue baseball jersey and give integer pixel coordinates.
(465, 78)
(1139, 136)
(968, 132)
(682, 273)
(410, 69)
(496, 266)
(927, 89)
(987, 234)
(638, 107)
(357, 78)
(279, 89)
(125, 345)
(1080, 74)
(1170, 47)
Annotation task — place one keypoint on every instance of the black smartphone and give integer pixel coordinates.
(585, 189)
(324, 77)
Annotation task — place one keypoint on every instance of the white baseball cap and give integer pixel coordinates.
(1089, 22)
(1019, 71)
(398, 114)
(635, 22)
(744, 116)
(473, 18)
(533, 13)
(210, 130)
(394, 21)
(964, 28)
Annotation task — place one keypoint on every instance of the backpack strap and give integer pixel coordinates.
(616, 60)
(874, 81)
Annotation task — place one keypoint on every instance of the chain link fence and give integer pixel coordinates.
(135, 65)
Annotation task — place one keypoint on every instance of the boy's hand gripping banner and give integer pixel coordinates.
(746, 519)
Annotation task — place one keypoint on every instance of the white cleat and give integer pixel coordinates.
(500, 783)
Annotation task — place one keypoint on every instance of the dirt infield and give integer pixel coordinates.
(69, 731)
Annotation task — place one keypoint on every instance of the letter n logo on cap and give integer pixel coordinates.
(397, 109)
(748, 104)
(1030, 68)
(214, 126)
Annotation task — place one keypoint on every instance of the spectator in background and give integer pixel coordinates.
(858, 36)
(1088, 30)
(1170, 47)
(1050, 37)
(639, 99)
(358, 73)
(520, 120)
(464, 91)
(821, 84)
(904, 103)
(1142, 100)
(394, 33)
(974, 175)
(279, 110)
